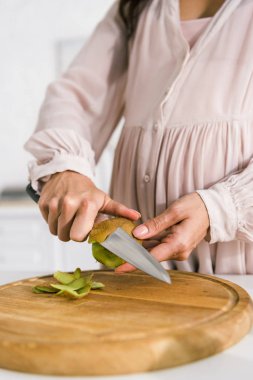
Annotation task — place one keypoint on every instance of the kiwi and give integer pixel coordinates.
(100, 232)
(105, 257)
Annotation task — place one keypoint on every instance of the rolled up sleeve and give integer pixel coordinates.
(82, 108)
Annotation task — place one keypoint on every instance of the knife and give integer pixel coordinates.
(124, 246)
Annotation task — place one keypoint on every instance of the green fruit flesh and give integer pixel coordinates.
(106, 257)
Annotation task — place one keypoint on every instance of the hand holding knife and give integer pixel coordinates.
(124, 246)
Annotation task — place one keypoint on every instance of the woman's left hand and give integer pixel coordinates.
(175, 232)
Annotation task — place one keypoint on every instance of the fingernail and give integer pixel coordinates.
(140, 231)
(136, 212)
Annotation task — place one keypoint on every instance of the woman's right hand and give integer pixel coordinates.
(70, 203)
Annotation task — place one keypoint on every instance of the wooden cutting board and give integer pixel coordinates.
(134, 324)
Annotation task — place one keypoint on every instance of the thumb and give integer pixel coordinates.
(112, 207)
(154, 226)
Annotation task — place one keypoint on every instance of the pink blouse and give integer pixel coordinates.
(188, 121)
(192, 29)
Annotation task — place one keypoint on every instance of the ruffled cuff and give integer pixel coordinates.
(222, 213)
(60, 162)
(57, 150)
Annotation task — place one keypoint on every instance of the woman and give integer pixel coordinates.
(184, 159)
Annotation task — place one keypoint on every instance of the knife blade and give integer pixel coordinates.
(124, 246)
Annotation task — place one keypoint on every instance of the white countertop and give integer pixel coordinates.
(233, 364)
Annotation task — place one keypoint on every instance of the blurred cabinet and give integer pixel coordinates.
(27, 245)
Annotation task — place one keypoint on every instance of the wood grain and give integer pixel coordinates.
(134, 324)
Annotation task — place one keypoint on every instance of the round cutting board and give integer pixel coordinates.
(134, 324)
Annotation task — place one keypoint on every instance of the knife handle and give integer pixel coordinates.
(32, 193)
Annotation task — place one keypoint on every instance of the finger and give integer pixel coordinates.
(83, 221)
(124, 268)
(112, 207)
(165, 251)
(43, 202)
(148, 244)
(53, 214)
(175, 246)
(188, 234)
(161, 235)
(68, 211)
(100, 218)
(161, 222)
(43, 206)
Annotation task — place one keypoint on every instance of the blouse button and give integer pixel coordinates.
(155, 126)
(146, 178)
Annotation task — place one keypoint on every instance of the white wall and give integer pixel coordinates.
(29, 33)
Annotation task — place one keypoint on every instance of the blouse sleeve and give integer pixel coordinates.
(82, 108)
(230, 207)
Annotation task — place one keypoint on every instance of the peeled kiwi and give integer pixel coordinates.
(106, 257)
(100, 232)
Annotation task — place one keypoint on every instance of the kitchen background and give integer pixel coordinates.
(38, 39)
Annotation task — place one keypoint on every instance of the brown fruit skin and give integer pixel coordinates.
(100, 232)
(105, 228)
